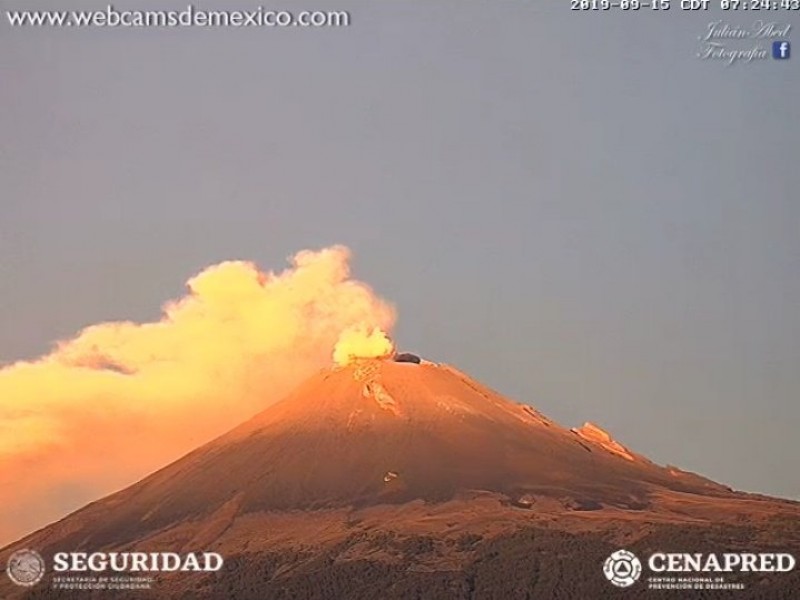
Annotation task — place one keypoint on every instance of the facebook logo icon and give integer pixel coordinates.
(781, 50)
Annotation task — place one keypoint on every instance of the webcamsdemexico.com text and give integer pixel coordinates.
(191, 16)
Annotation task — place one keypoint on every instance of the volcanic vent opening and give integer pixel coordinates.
(363, 344)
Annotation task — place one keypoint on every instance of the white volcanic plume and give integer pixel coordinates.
(122, 399)
(361, 342)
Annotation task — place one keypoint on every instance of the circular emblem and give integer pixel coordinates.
(25, 567)
(622, 568)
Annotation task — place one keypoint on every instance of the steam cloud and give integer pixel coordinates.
(362, 343)
(122, 399)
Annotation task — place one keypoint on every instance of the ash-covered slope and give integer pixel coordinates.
(402, 480)
(372, 433)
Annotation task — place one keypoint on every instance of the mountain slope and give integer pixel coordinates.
(421, 452)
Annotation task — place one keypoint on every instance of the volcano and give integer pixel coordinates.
(387, 479)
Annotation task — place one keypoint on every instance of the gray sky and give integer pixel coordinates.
(571, 207)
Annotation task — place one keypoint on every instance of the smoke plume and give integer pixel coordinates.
(361, 342)
(122, 399)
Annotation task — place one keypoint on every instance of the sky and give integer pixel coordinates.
(572, 207)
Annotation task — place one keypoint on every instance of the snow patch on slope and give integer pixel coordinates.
(377, 392)
(594, 434)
